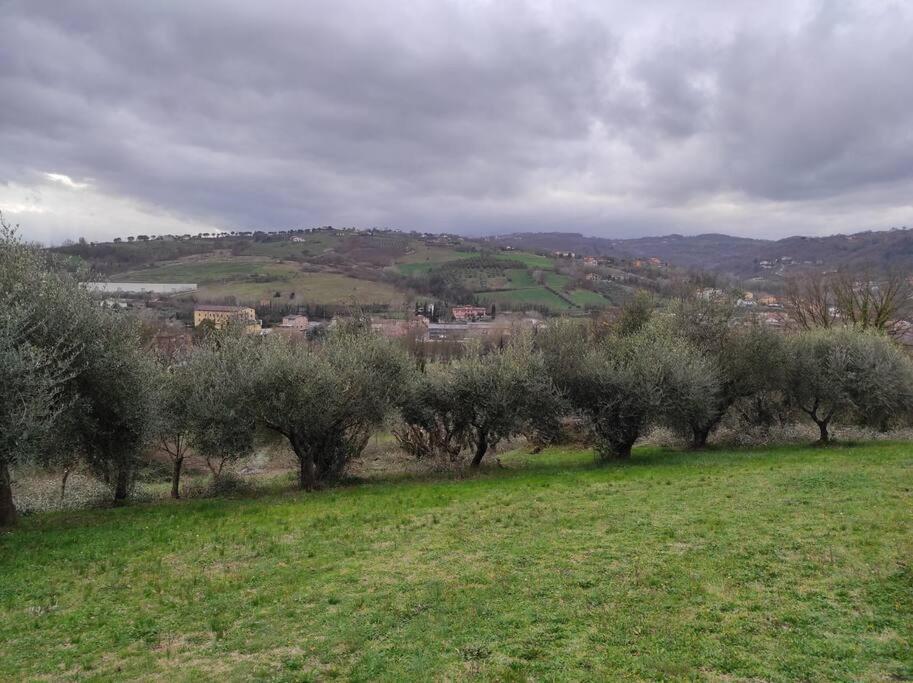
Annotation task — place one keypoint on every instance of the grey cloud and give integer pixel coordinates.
(477, 117)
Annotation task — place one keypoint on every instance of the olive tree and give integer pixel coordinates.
(30, 387)
(110, 421)
(623, 385)
(173, 426)
(204, 404)
(477, 401)
(748, 360)
(432, 424)
(40, 337)
(326, 397)
(218, 378)
(835, 374)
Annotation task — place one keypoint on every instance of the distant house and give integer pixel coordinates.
(172, 341)
(295, 322)
(768, 300)
(221, 316)
(466, 313)
(591, 261)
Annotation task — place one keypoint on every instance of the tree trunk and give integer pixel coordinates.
(481, 450)
(825, 437)
(307, 473)
(122, 485)
(307, 476)
(63, 483)
(176, 478)
(699, 437)
(622, 451)
(7, 507)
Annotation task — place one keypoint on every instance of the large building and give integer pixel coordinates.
(221, 316)
(468, 312)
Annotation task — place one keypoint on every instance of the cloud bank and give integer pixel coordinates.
(610, 118)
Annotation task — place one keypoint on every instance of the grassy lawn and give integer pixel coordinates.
(780, 564)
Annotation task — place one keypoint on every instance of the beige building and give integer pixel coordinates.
(295, 322)
(221, 316)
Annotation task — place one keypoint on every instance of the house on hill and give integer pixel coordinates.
(222, 316)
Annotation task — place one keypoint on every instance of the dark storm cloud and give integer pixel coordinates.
(468, 116)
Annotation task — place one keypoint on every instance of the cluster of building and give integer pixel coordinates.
(469, 322)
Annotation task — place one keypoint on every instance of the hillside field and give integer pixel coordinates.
(775, 564)
(338, 267)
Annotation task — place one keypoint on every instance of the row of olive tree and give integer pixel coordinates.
(324, 398)
(686, 371)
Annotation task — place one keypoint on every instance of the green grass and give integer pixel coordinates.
(781, 564)
(202, 271)
(322, 288)
(527, 259)
(520, 277)
(584, 297)
(532, 295)
(556, 280)
(425, 259)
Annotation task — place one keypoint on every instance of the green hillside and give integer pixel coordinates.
(345, 267)
(780, 564)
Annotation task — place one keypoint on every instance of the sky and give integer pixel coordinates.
(616, 119)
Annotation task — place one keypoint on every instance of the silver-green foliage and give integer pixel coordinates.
(475, 402)
(624, 384)
(326, 397)
(840, 374)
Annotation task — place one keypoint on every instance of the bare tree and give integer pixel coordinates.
(810, 301)
(866, 303)
(851, 298)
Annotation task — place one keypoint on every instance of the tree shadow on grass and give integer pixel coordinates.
(562, 463)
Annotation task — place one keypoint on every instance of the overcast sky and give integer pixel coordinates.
(609, 118)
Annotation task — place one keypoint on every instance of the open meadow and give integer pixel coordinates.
(787, 563)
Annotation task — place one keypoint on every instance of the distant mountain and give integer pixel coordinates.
(739, 256)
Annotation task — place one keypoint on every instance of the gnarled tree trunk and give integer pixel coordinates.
(122, 485)
(481, 450)
(825, 437)
(307, 470)
(8, 514)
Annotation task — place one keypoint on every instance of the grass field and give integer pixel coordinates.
(532, 295)
(202, 271)
(776, 565)
(321, 288)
